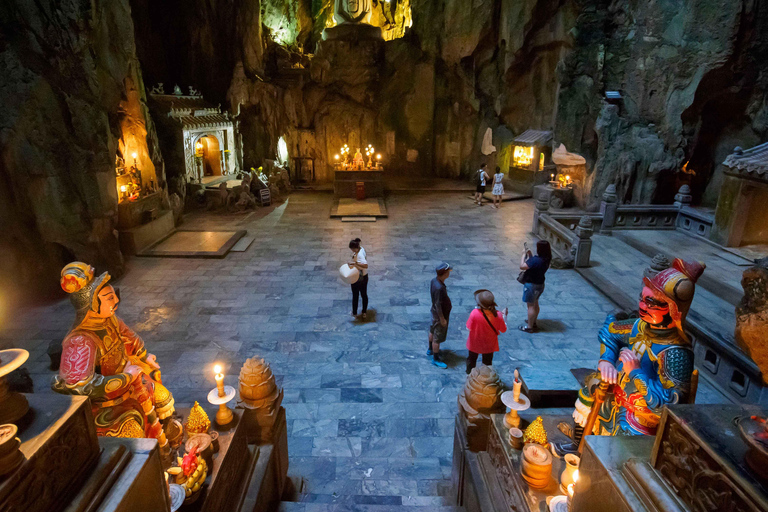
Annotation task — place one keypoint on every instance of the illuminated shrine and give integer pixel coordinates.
(205, 138)
(531, 158)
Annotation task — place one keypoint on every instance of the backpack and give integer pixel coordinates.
(479, 179)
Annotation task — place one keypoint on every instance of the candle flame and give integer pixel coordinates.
(575, 476)
(217, 368)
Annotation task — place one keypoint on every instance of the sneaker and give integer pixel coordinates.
(429, 351)
(439, 363)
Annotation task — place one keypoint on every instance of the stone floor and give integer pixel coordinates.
(370, 421)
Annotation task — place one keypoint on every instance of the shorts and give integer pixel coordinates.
(438, 332)
(531, 292)
(480, 189)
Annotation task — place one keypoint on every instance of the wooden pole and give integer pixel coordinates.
(600, 393)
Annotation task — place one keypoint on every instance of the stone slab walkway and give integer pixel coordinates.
(370, 421)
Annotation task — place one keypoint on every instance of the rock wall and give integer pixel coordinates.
(70, 84)
(689, 72)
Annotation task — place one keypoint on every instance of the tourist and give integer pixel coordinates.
(498, 188)
(360, 287)
(533, 280)
(484, 324)
(441, 311)
(481, 179)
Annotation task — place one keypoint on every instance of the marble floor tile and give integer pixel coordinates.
(370, 419)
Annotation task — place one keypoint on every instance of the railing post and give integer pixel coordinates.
(541, 206)
(608, 207)
(584, 243)
(683, 197)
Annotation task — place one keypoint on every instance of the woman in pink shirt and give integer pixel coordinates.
(484, 324)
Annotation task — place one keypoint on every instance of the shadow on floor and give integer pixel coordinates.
(548, 325)
(370, 318)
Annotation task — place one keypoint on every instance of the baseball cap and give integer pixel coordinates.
(443, 266)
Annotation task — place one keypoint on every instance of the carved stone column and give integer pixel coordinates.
(608, 207)
(480, 398)
(541, 206)
(683, 197)
(264, 416)
(584, 245)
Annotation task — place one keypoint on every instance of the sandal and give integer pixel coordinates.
(525, 328)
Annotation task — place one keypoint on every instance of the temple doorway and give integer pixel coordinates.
(208, 150)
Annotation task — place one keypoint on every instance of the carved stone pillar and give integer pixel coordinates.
(541, 206)
(584, 245)
(608, 207)
(480, 398)
(683, 197)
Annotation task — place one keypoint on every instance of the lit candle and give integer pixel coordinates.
(219, 379)
(552, 177)
(336, 157)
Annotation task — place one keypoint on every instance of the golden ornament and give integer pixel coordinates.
(198, 422)
(535, 432)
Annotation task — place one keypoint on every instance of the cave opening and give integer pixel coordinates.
(722, 125)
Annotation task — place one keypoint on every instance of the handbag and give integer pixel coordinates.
(521, 277)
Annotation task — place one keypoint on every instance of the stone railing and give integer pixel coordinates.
(679, 215)
(571, 245)
(569, 232)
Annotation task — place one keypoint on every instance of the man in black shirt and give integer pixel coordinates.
(441, 311)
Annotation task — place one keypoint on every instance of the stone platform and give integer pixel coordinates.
(373, 207)
(195, 244)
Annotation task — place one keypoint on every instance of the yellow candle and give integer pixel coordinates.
(516, 387)
(219, 379)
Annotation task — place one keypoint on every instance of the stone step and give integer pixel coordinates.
(293, 506)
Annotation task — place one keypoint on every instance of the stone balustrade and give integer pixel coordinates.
(569, 232)
(571, 245)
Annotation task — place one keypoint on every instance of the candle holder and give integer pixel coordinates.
(224, 415)
(13, 405)
(512, 419)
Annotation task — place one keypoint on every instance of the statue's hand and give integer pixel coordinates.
(133, 370)
(152, 362)
(608, 372)
(630, 360)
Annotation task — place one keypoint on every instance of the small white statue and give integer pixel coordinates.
(352, 11)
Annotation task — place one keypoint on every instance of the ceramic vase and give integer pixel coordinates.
(571, 466)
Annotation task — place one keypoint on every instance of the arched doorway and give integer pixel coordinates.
(208, 150)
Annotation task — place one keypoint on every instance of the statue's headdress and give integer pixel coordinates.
(77, 279)
(676, 286)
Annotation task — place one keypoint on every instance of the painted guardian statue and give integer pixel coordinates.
(104, 359)
(646, 361)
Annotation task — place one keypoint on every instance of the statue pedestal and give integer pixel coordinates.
(65, 463)
(695, 462)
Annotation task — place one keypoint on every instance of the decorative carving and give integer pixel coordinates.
(260, 394)
(696, 478)
(70, 450)
(158, 89)
(352, 11)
